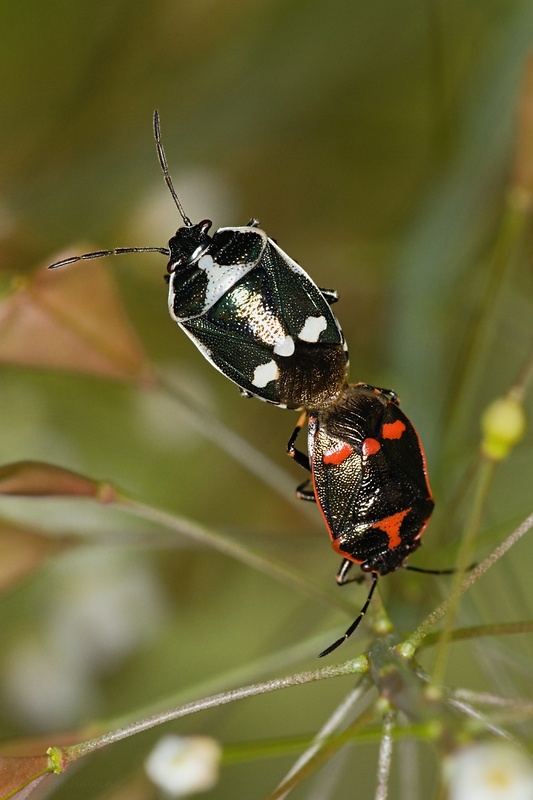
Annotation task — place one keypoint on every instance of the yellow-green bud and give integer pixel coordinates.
(503, 425)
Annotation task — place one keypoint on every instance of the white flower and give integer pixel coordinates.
(490, 771)
(182, 765)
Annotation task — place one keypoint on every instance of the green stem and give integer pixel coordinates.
(478, 631)
(332, 726)
(353, 667)
(237, 447)
(513, 228)
(357, 732)
(409, 647)
(465, 555)
(223, 544)
(385, 755)
(526, 376)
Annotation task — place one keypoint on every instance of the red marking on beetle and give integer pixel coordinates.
(335, 543)
(393, 430)
(370, 447)
(391, 526)
(339, 455)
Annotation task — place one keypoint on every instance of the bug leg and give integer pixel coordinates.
(343, 571)
(330, 295)
(356, 622)
(292, 451)
(299, 457)
(393, 397)
(303, 492)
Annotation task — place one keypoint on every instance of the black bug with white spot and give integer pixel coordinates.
(250, 309)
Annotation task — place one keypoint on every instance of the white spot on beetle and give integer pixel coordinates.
(249, 306)
(206, 262)
(285, 347)
(220, 278)
(312, 329)
(265, 373)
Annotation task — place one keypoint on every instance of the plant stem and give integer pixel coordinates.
(409, 647)
(223, 544)
(466, 552)
(352, 667)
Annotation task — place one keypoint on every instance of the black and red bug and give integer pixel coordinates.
(369, 480)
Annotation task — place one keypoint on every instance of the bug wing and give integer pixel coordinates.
(274, 335)
(300, 300)
(369, 479)
(403, 452)
(338, 477)
(194, 288)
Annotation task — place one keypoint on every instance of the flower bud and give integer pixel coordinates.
(503, 424)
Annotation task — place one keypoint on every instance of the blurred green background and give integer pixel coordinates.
(376, 144)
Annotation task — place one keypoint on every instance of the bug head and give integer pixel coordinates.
(188, 245)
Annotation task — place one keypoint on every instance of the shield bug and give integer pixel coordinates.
(369, 480)
(251, 310)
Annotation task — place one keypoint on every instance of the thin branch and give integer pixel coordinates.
(359, 665)
(385, 756)
(513, 703)
(237, 447)
(358, 730)
(478, 631)
(464, 558)
(491, 727)
(409, 647)
(319, 741)
(229, 547)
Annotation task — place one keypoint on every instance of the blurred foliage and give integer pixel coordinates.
(377, 142)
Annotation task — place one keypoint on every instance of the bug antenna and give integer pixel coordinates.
(356, 621)
(451, 571)
(164, 167)
(118, 251)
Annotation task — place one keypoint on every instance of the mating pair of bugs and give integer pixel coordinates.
(258, 317)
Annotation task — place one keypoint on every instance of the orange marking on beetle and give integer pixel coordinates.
(338, 456)
(393, 430)
(391, 526)
(338, 549)
(370, 447)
